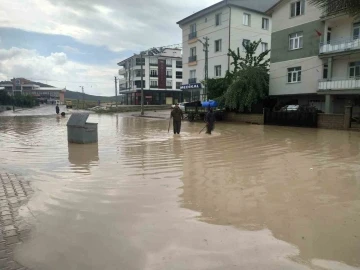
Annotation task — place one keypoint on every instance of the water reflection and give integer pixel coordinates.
(83, 156)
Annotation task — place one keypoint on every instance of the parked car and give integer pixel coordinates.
(300, 108)
(181, 106)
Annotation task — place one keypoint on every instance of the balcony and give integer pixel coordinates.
(192, 35)
(178, 76)
(154, 86)
(122, 71)
(169, 76)
(340, 45)
(339, 84)
(192, 58)
(192, 80)
(168, 87)
(154, 64)
(153, 75)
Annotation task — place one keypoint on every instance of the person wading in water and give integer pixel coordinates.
(57, 109)
(177, 116)
(210, 120)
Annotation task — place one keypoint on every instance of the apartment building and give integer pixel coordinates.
(315, 57)
(162, 77)
(226, 24)
(44, 93)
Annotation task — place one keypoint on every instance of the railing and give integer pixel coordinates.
(154, 64)
(192, 80)
(192, 58)
(122, 71)
(192, 35)
(153, 75)
(169, 65)
(178, 66)
(339, 84)
(178, 76)
(154, 86)
(168, 87)
(340, 45)
(139, 75)
(168, 76)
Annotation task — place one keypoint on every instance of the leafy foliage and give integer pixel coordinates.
(336, 7)
(17, 100)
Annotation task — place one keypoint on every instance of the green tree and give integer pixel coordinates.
(249, 80)
(336, 7)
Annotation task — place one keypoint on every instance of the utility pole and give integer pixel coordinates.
(83, 96)
(116, 95)
(142, 85)
(206, 50)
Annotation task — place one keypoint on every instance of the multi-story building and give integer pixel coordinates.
(227, 25)
(315, 57)
(162, 77)
(21, 86)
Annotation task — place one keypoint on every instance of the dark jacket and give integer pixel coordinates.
(57, 109)
(210, 118)
(177, 114)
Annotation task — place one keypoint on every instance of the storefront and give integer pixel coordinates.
(192, 92)
(152, 97)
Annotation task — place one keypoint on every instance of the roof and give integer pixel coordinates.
(272, 8)
(78, 120)
(49, 89)
(259, 6)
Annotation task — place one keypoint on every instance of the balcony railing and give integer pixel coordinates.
(192, 80)
(340, 45)
(192, 35)
(122, 71)
(178, 76)
(154, 86)
(168, 76)
(154, 64)
(168, 87)
(339, 84)
(192, 58)
(153, 75)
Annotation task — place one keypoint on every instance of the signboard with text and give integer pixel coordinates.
(191, 86)
(162, 74)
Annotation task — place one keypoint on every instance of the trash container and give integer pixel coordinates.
(79, 131)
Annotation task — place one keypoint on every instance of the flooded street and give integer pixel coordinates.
(246, 197)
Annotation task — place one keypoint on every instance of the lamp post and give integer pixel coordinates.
(206, 50)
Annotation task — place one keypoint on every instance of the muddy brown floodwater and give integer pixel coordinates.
(247, 197)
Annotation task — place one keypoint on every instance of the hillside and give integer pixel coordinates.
(78, 95)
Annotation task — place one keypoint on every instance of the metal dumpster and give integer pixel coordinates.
(81, 132)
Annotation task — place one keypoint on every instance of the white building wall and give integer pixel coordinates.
(206, 27)
(309, 77)
(341, 28)
(282, 20)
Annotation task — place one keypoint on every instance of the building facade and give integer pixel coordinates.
(227, 25)
(162, 77)
(315, 57)
(21, 86)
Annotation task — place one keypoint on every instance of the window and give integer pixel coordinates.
(169, 62)
(294, 75)
(178, 85)
(153, 83)
(325, 71)
(245, 43)
(179, 64)
(178, 74)
(193, 51)
(217, 19)
(153, 61)
(264, 46)
(356, 31)
(218, 71)
(140, 61)
(354, 70)
(265, 23)
(138, 84)
(138, 72)
(246, 19)
(193, 74)
(168, 83)
(153, 73)
(297, 8)
(192, 34)
(296, 41)
(169, 73)
(218, 45)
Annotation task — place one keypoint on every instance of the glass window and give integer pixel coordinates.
(245, 43)
(168, 73)
(297, 8)
(354, 70)
(264, 46)
(193, 73)
(265, 23)
(193, 28)
(178, 84)
(296, 41)
(325, 71)
(168, 62)
(179, 64)
(169, 83)
(217, 19)
(356, 31)
(178, 74)
(246, 19)
(218, 71)
(294, 75)
(153, 72)
(140, 61)
(193, 51)
(153, 83)
(218, 45)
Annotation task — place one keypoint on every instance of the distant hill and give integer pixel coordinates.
(78, 95)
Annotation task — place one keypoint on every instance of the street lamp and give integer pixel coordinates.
(206, 50)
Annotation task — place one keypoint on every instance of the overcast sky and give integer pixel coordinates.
(78, 42)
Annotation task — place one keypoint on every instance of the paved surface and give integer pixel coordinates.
(14, 192)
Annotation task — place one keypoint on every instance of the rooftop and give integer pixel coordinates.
(259, 6)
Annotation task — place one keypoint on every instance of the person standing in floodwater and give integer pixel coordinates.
(57, 109)
(177, 116)
(210, 120)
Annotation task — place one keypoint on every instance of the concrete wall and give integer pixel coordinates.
(282, 20)
(341, 65)
(341, 28)
(309, 76)
(331, 121)
(245, 118)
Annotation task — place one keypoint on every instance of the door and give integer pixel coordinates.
(169, 100)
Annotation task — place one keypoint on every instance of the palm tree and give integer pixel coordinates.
(335, 7)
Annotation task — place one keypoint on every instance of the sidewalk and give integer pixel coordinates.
(14, 192)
